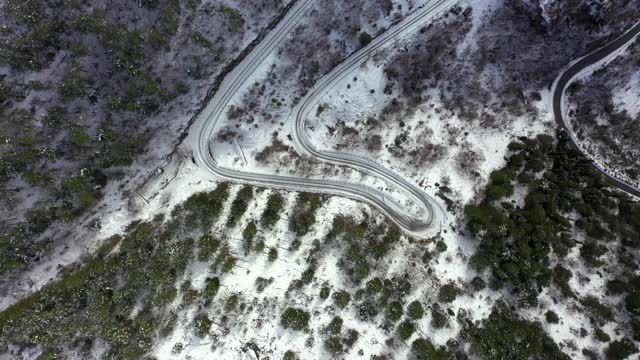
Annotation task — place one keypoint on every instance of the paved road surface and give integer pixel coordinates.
(570, 74)
(421, 223)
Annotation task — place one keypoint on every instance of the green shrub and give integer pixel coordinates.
(597, 309)
(394, 311)
(617, 287)
(239, 205)
(423, 349)
(73, 83)
(500, 337)
(5, 92)
(27, 11)
(189, 294)
(601, 336)
(295, 319)
(439, 318)
(325, 292)
(233, 18)
(165, 295)
(289, 355)
(201, 40)
(551, 317)
(231, 303)
(406, 329)
(341, 298)
(126, 46)
(262, 283)
(335, 326)
(304, 213)
(207, 246)
(448, 293)
(308, 274)
(333, 345)
(364, 38)
(273, 254)
(30, 51)
(415, 310)
(39, 218)
(620, 349)
(212, 285)
(271, 213)
(632, 301)
(202, 209)
(202, 325)
(478, 283)
(248, 234)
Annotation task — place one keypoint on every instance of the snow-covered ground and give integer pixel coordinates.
(341, 125)
(626, 97)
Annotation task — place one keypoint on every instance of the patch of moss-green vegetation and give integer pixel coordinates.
(31, 50)
(233, 18)
(201, 40)
(515, 242)
(505, 336)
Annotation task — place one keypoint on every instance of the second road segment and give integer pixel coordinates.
(429, 216)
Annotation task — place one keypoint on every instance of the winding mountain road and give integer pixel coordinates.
(578, 68)
(429, 217)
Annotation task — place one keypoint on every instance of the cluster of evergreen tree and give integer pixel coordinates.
(516, 241)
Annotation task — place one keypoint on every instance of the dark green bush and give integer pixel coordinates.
(364, 38)
(620, 349)
(551, 317)
(406, 329)
(211, 287)
(295, 319)
(239, 205)
(448, 293)
(325, 292)
(333, 345)
(341, 298)
(202, 325)
(439, 318)
(415, 310)
(423, 349)
(394, 311)
(478, 283)
(500, 337)
(335, 326)
(248, 234)
(271, 213)
(304, 213)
